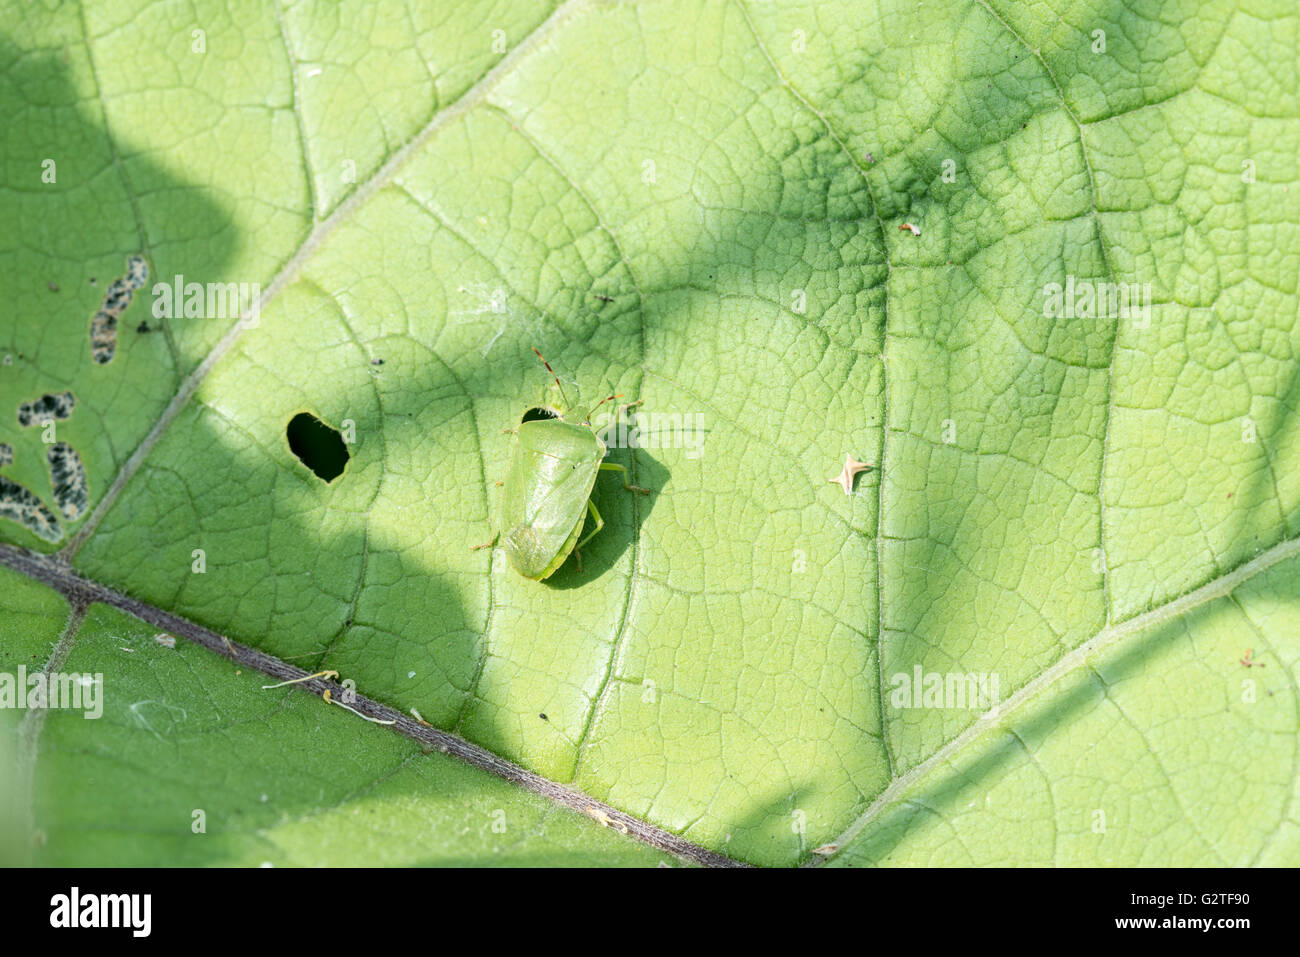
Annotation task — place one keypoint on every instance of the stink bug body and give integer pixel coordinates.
(546, 497)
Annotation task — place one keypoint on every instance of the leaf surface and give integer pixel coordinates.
(702, 206)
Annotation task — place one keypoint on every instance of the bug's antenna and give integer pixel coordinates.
(567, 404)
(607, 398)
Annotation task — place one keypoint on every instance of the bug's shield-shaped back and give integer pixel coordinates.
(553, 468)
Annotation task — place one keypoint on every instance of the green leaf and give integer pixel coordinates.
(702, 206)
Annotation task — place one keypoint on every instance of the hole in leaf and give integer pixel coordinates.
(317, 446)
(534, 414)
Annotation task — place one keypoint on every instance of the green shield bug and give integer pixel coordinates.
(546, 496)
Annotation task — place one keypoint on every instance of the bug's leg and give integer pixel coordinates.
(509, 431)
(488, 544)
(614, 467)
(622, 409)
(600, 523)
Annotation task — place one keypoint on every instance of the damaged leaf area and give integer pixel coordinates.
(68, 479)
(21, 505)
(1024, 276)
(46, 409)
(103, 328)
(67, 473)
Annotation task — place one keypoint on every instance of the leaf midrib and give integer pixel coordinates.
(82, 592)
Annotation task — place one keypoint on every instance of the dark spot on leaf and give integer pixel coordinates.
(543, 716)
(103, 328)
(317, 446)
(46, 409)
(68, 478)
(20, 505)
